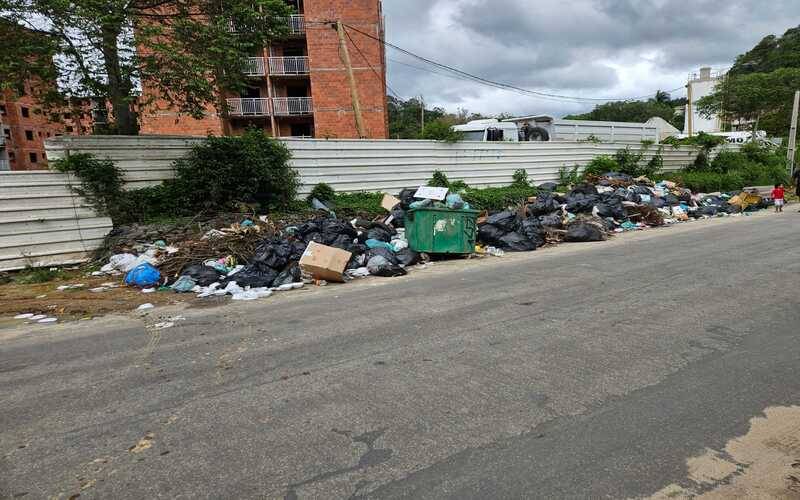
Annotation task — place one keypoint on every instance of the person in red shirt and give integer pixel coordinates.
(777, 196)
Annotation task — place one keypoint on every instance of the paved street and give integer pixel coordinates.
(618, 369)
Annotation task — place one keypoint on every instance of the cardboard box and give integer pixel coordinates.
(389, 202)
(324, 262)
(431, 193)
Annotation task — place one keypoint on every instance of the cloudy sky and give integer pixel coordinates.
(586, 48)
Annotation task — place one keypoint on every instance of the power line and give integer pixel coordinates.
(380, 78)
(501, 85)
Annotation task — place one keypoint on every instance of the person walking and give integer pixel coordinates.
(796, 180)
(777, 197)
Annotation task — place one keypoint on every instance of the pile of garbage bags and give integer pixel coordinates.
(614, 203)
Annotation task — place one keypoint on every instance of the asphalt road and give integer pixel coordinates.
(584, 371)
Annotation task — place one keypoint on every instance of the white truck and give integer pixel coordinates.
(545, 128)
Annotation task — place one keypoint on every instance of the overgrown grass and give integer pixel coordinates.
(34, 275)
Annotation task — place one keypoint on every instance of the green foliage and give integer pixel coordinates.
(356, 203)
(440, 130)
(628, 161)
(405, 118)
(498, 198)
(763, 98)
(221, 171)
(633, 111)
(458, 186)
(754, 165)
(101, 180)
(322, 192)
(569, 176)
(520, 178)
(33, 275)
(771, 53)
(439, 179)
(600, 165)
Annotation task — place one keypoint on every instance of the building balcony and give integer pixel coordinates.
(254, 66)
(288, 66)
(297, 24)
(261, 106)
(292, 106)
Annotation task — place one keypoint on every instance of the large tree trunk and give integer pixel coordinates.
(119, 86)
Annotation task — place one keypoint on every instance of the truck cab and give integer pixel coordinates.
(490, 130)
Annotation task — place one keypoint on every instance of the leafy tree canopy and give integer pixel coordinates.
(661, 105)
(771, 53)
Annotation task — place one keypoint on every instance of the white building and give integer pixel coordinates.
(700, 85)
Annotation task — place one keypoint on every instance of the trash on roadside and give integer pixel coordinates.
(389, 202)
(184, 284)
(24, 316)
(324, 262)
(145, 307)
(143, 276)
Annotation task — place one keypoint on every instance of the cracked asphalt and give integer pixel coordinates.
(582, 371)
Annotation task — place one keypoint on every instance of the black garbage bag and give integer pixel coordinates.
(316, 237)
(273, 253)
(398, 217)
(406, 197)
(377, 233)
(507, 220)
(289, 275)
(610, 209)
(254, 276)
(532, 229)
(379, 266)
(308, 228)
(657, 202)
(583, 232)
(580, 203)
(342, 241)
(584, 188)
(333, 229)
(383, 252)
(633, 196)
(202, 274)
(548, 186)
(544, 204)
(407, 257)
(358, 249)
(620, 193)
(686, 196)
(671, 200)
(298, 248)
(554, 220)
(490, 234)
(640, 189)
(357, 261)
(515, 242)
(709, 211)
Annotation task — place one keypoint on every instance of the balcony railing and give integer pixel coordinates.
(261, 106)
(293, 65)
(297, 24)
(249, 106)
(291, 106)
(5, 165)
(254, 66)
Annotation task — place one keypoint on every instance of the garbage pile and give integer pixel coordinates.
(610, 203)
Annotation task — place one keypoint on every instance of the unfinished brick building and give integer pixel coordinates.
(299, 87)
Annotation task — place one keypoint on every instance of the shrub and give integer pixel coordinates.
(520, 178)
(458, 186)
(600, 165)
(439, 179)
(498, 198)
(352, 203)
(101, 180)
(322, 192)
(222, 171)
(628, 161)
(439, 130)
(569, 176)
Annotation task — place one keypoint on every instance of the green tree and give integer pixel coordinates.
(187, 49)
(760, 98)
(771, 53)
(628, 111)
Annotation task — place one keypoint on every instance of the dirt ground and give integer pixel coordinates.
(80, 303)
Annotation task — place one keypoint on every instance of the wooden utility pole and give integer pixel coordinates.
(689, 115)
(793, 132)
(422, 114)
(345, 54)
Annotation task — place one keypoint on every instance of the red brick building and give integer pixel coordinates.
(299, 87)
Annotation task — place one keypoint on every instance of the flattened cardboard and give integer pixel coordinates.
(324, 262)
(389, 202)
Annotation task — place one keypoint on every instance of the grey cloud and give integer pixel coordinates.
(570, 47)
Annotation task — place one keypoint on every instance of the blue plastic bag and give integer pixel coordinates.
(144, 275)
(373, 243)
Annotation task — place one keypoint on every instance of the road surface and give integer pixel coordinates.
(661, 363)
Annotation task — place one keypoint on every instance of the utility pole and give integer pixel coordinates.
(345, 54)
(422, 114)
(793, 132)
(689, 115)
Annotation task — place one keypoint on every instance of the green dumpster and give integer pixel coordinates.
(441, 230)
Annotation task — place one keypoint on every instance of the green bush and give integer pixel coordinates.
(600, 165)
(520, 178)
(439, 130)
(101, 180)
(498, 198)
(322, 192)
(352, 203)
(439, 179)
(222, 172)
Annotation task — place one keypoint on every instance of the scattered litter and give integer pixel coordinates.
(70, 287)
(47, 320)
(98, 289)
(37, 317)
(148, 290)
(145, 307)
(24, 316)
(143, 276)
